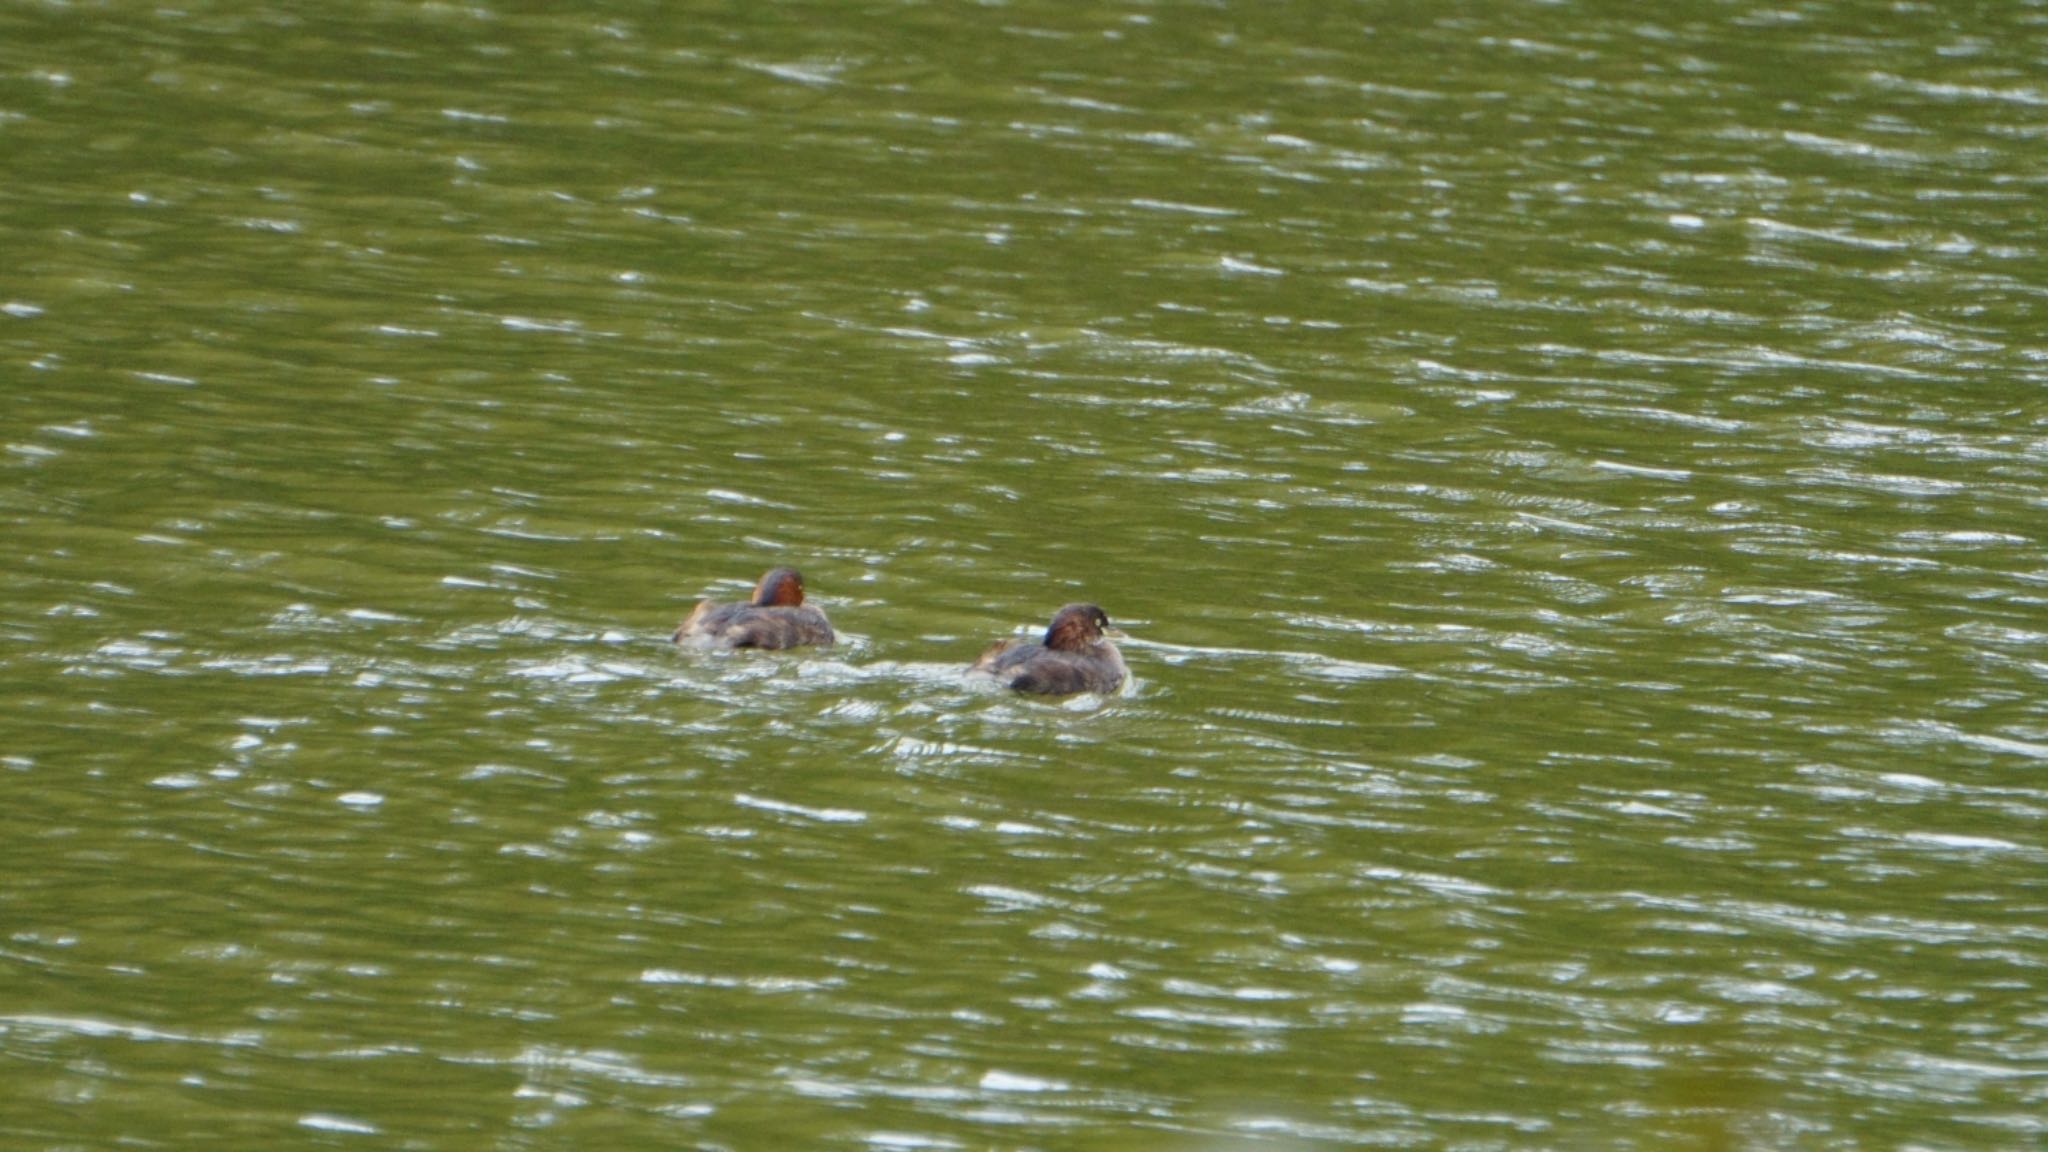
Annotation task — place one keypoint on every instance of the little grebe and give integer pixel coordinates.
(1075, 656)
(776, 617)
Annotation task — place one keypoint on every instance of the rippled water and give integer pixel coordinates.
(1572, 474)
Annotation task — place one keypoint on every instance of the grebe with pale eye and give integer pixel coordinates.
(1075, 656)
(776, 617)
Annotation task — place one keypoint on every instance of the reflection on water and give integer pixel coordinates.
(1568, 474)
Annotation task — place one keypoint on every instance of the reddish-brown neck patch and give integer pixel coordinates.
(780, 588)
(1076, 627)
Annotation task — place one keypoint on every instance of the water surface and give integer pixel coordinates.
(1571, 474)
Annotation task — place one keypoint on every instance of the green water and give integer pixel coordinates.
(1572, 475)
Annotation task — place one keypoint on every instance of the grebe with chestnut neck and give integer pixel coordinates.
(1074, 656)
(776, 617)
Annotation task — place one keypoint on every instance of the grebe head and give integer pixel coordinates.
(780, 588)
(1076, 628)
